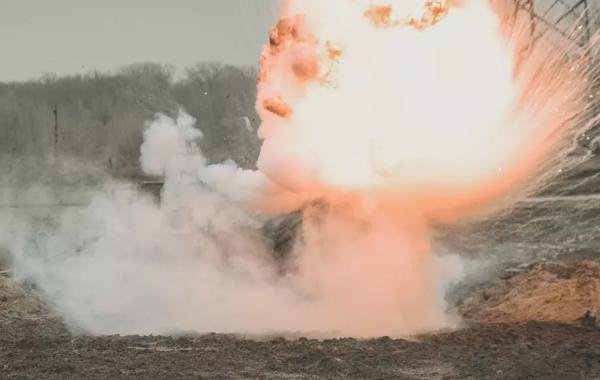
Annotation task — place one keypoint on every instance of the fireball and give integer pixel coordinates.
(391, 115)
(412, 101)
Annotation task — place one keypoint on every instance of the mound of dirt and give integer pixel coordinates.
(17, 303)
(544, 292)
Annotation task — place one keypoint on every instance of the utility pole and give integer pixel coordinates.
(55, 111)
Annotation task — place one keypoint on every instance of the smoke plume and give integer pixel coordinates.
(198, 260)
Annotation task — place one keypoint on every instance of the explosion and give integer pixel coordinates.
(429, 106)
(380, 120)
(398, 115)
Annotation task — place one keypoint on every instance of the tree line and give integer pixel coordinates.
(101, 116)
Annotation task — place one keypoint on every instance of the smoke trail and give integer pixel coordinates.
(378, 121)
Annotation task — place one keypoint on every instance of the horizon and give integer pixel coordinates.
(178, 75)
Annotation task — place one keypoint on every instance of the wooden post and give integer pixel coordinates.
(55, 111)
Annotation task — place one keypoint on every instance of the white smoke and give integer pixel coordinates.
(198, 260)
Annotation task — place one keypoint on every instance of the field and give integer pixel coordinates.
(522, 317)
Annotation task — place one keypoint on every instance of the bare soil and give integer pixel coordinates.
(553, 292)
(34, 343)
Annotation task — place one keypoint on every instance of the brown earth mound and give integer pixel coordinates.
(544, 292)
(18, 303)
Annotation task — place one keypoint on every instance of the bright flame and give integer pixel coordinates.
(394, 113)
(350, 105)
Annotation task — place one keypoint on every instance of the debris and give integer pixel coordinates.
(588, 319)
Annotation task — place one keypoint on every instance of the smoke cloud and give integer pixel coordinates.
(198, 261)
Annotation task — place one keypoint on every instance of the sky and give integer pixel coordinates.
(61, 37)
(40, 37)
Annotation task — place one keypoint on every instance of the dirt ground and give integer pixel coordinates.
(493, 343)
(521, 320)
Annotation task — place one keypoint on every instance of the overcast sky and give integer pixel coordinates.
(73, 36)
